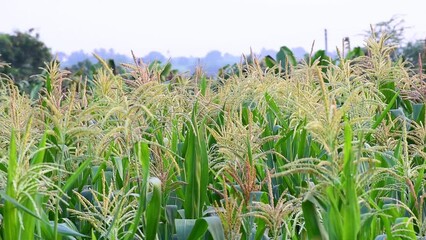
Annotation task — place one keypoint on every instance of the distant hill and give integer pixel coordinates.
(210, 63)
(78, 56)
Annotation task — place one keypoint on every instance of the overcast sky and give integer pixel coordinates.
(195, 27)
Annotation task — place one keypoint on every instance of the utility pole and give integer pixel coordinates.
(346, 43)
(326, 40)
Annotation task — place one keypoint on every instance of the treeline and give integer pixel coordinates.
(25, 55)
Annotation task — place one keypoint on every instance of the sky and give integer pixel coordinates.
(195, 27)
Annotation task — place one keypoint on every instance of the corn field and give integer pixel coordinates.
(309, 151)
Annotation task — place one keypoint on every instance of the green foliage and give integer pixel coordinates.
(415, 54)
(196, 166)
(286, 58)
(355, 53)
(25, 53)
(322, 149)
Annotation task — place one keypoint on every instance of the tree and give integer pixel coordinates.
(393, 28)
(25, 53)
(412, 51)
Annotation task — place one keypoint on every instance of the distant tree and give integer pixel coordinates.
(25, 53)
(84, 68)
(393, 28)
(412, 51)
(154, 56)
(2, 63)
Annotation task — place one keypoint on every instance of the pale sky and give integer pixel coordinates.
(195, 27)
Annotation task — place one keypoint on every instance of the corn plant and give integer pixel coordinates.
(315, 149)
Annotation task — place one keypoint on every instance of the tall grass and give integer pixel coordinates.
(324, 151)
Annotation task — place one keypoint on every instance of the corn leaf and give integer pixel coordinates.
(10, 213)
(153, 210)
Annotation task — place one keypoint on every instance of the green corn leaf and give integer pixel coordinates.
(190, 229)
(117, 211)
(215, 227)
(302, 142)
(171, 212)
(351, 211)
(356, 52)
(388, 89)
(65, 230)
(192, 179)
(419, 112)
(419, 179)
(406, 104)
(260, 229)
(45, 229)
(30, 222)
(274, 107)
(3, 168)
(404, 227)
(34, 94)
(39, 157)
(322, 57)
(313, 224)
(199, 229)
(286, 55)
(96, 173)
(142, 153)
(153, 210)
(16, 205)
(203, 85)
(383, 114)
(118, 164)
(196, 168)
(48, 84)
(332, 216)
(270, 62)
(10, 213)
(397, 152)
(93, 235)
(74, 177)
(184, 228)
(166, 71)
(203, 164)
(112, 66)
